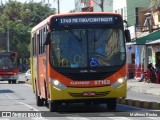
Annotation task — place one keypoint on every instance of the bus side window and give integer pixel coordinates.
(48, 39)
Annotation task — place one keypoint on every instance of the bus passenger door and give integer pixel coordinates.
(42, 73)
(42, 63)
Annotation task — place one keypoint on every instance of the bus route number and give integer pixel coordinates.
(102, 82)
(66, 21)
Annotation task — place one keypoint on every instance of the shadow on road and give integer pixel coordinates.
(6, 91)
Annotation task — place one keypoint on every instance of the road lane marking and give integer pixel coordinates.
(154, 118)
(29, 106)
(4, 119)
(119, 118)
(39, 118)
(78, 118)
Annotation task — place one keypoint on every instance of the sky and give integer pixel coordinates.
(65, 5)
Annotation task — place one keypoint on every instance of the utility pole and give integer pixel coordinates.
(7, 39)
(58, 4)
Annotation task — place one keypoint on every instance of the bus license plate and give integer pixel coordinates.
(89, 94)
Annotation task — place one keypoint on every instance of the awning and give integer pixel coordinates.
(154, 42)
(149, 38)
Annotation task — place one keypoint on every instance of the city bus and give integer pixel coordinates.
(79, 57)
(9, 68)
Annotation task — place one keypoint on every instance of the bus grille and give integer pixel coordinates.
(97, 94)
(87, 76)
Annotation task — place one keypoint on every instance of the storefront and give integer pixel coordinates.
(147, 51)
(130, 48)
(153, 50)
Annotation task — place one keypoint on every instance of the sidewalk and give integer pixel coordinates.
(141, 94)
(142, 87)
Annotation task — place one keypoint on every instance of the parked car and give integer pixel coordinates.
(28, 75)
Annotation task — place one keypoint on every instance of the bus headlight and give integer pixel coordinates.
(119, 82)
(57, 85)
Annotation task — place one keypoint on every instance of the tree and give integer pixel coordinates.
(16, 17)
(71, 11)
(100, 4)
(153, 2)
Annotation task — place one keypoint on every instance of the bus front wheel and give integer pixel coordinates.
(53, 106)
(111, 104)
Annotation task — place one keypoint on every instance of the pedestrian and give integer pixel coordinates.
(157, 68)
(142, 77)
(148, 74)
(157, 71)
(153, 73)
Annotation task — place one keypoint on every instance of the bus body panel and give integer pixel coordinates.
(68, 82)
(9, 75)
(112, 91)
(78, 93)
(34, 73)
(42, 74)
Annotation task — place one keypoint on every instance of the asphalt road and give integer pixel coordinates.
(19, 97)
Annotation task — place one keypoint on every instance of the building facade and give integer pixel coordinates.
(84, 5)
(107, 6)
(145, 46)
(128, 9)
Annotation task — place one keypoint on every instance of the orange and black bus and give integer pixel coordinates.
(9, 68)
(79, 57)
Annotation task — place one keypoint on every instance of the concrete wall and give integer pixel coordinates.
(131, 5)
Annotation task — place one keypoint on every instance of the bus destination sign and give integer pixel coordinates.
(85, 20)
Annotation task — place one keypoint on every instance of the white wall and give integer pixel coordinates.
(118, 5)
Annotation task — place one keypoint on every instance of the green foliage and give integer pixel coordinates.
(155, 2)
(20, 18)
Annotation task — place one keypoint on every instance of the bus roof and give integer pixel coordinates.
(47, 20)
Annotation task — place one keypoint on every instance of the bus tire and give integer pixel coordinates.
(53, 106)
(14, 81)
(9, 81)
(46, 97)
(39, 101)
(111, 104)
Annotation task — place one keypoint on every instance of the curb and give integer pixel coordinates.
(138, 103)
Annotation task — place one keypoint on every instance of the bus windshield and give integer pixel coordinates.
(8, 62)
(87, 48)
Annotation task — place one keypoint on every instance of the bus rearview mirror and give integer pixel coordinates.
(127, 35)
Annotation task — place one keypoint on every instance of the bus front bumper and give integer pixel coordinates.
(12, 77)
(72, 93)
